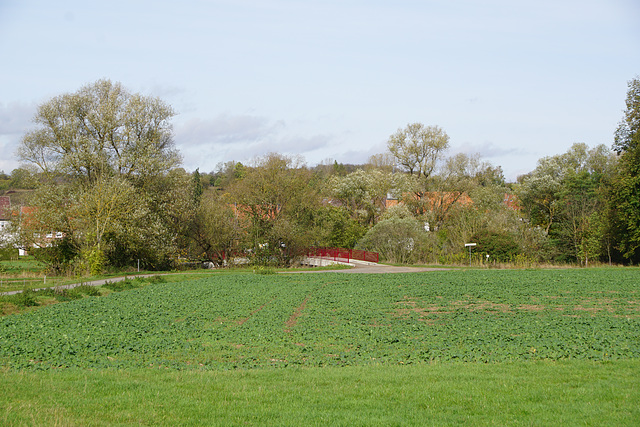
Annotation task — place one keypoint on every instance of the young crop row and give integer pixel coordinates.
(247, 321)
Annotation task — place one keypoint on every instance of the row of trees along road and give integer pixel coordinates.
(106, 175)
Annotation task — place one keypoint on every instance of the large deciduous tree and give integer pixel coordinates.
(363, 193)
(275, 201)
(118, 195)
(101, 129)
(397, 239)
(215, 230)
(417, 147)
(625, 200)
(565, 195)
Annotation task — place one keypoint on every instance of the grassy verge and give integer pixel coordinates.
(31, 299)
(22, 281)
(321, 268)
(27, 264)
(28, 274)
(527, 393)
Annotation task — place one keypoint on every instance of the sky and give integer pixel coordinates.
(331, 80)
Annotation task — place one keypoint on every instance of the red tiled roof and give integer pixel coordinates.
(512, 201)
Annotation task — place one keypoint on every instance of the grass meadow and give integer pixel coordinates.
(487, 347)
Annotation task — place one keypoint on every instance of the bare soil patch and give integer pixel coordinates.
(291, 322)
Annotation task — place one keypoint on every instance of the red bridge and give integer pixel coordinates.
(343, 255)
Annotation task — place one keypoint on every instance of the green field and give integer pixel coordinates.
(483, 346)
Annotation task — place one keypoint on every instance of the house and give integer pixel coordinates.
(44, 239)
(10, 236)
(5, 217)
(437, 199)
(512, 201)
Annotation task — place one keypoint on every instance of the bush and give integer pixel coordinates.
(47, 292)
(459, 258)
(157, 279)
(500, 246)
(261, 269)
(96, 261)
(124, 285)
(57, 257)
(25, 298)
(396, 239)
(63, 295)
(522, 261)
(91, 291)
(7, 254)
(337, 229)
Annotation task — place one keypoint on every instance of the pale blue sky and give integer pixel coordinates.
(511, 80)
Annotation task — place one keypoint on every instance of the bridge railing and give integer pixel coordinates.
(342, 254)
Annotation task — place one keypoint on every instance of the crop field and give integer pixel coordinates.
(479, 347)
(244, 321)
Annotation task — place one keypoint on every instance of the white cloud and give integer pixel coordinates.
(205, 143)
(224, 129)
(15, 117)
(15, 120)
(488, 149)
(8, 146)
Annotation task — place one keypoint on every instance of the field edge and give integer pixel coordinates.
(535, 392)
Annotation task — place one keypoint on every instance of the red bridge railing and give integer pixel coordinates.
(342, 254)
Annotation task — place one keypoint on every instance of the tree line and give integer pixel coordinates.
(103, 172)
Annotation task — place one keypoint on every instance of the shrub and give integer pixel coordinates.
(337, 229)
(63, 295)
(459, 258)
(500, 246)
(261, 269)
(25, 298)
(157, 279)
(91, 291)
(97, 261)
(57, 257)
(7, 254)
(396, 239)
(48, 292)
(523, 260)
(124, 285)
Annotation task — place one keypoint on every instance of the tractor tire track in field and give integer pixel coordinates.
(293, 319)
(257, 310)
